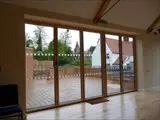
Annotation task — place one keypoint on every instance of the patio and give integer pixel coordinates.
(40, 93)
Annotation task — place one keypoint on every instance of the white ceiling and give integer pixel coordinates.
(80, 8)
(134, 13)
(130, 13)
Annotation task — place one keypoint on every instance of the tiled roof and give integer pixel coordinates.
(117, 62)
(127, 47)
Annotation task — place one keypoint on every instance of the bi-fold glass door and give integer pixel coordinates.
(39, 67)
(69, 65)
(61, 66)
(112, 44)
(79, 66)
(92, 64)
(120, 62)
(66, 65)
(128, 61)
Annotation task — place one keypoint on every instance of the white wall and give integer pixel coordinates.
(150, 58)
(129, 60)
(12, 49)
(140, 65)
(112, 57)
(96, 55)
(151, 52)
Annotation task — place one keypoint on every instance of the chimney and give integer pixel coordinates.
(126, 39)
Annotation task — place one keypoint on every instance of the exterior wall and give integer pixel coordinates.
(112, 57)
(96, 55)
(29, 71)
(42, 65)
(29, 63)
(129, 60)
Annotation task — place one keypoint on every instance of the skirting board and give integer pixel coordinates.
(152, 89)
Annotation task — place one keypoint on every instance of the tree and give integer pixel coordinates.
(29, 42)
(27, 37)
(63, 46)
(40, 36)
(62, 49)
(65, 36)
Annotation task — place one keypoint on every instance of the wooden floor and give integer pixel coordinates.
(130, 106)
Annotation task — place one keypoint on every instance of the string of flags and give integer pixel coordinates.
(51, 54)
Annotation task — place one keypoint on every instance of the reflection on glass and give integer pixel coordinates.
(113, 63)
(92, 64)
(39, 67)
(69, 65)
(128, 63)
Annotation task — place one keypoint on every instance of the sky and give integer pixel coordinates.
(90, 38)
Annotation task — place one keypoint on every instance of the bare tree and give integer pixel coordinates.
(65, 36)
(29, 42)
(40, 36)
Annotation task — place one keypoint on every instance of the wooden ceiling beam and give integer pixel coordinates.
(150, 28)
(101, 10)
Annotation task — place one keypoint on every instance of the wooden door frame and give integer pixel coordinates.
(103, 60)
(56, 69)
(82, 66)
(73, 27)
(103, 65)
(121, 64)
(102, 75)
(135, 63)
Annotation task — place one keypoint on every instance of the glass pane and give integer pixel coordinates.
(39, 67)
(113, 63)
(69, 65)
(128, 63)
(92, 64)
